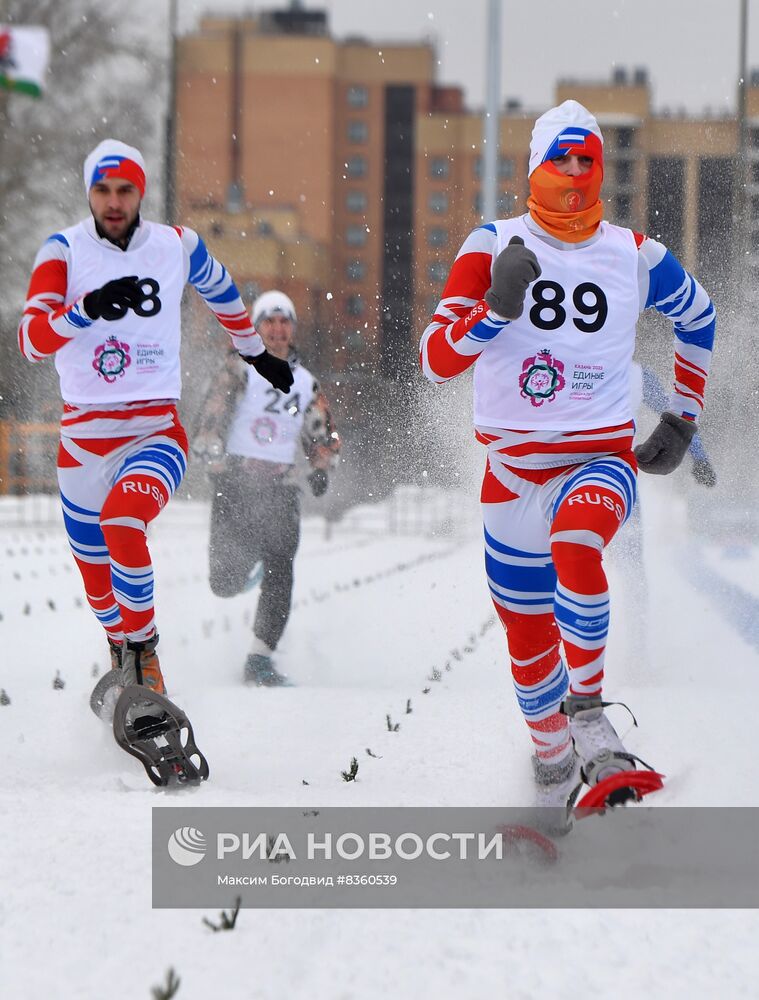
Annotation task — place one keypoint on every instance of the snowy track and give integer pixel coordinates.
(381, 623)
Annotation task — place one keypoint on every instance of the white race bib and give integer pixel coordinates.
(136, 357)
(267, 423)
(565, 363)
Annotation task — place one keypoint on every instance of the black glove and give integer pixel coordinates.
(703, 472)
(515, 267)
(114, 299)
(318, 481)
(274, 370)
(664, 450)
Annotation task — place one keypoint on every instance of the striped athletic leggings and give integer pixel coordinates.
(545, 532)
(110, 491)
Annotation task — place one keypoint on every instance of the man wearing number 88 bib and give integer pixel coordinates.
(104, 298)
(544, 306)
(249, 438)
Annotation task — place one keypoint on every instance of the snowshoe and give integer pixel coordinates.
(106, 693)
(529, 840)
(619, 788)
(158, 733)
(607, 766)
(131, 663)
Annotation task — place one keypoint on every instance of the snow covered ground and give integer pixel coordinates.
(379, 617)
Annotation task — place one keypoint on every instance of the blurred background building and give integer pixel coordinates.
(340, 171)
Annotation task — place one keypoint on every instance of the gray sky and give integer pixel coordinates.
(690, 47)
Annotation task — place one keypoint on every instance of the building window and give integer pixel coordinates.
(439, 167)
(354, 340)
(717, 179)
(358, 97)
(505, 168)
(623, 206)
(625, 138)
(355, 236)
(356, 201)
(437, 271)
(250, 291)
(623, 170)
(506, 203)
(438, 202)
(356, 270)
(354, 305)
(504, 206)
(666, 201)
(356, 166)
(437, 237)
(358, 131)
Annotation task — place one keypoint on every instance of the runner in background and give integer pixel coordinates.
(250, 434)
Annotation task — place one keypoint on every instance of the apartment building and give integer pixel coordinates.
(343, 173)
(295, 160)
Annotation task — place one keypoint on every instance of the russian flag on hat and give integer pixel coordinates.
(568, 128)
(112, 158)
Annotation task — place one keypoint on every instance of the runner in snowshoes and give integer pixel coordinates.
(248, 440)
(544, 306)
(104, 298)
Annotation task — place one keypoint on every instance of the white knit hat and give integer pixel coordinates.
(567, 126)
(273, 302)
(112, 158)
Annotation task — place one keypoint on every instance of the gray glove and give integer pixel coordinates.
(664, 450)
(515, 267)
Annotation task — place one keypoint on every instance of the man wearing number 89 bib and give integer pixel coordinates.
(249, 438)
(544, 306)
(104, 298)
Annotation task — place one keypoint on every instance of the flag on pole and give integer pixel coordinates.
(24, 55)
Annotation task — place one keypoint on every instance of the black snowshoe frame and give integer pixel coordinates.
(163, 743)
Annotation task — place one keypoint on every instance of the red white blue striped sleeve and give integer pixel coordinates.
(46, 324)
(666, 286)
(214, 284)
(463, 324)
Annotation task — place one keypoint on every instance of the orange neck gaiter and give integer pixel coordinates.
(566, 207)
